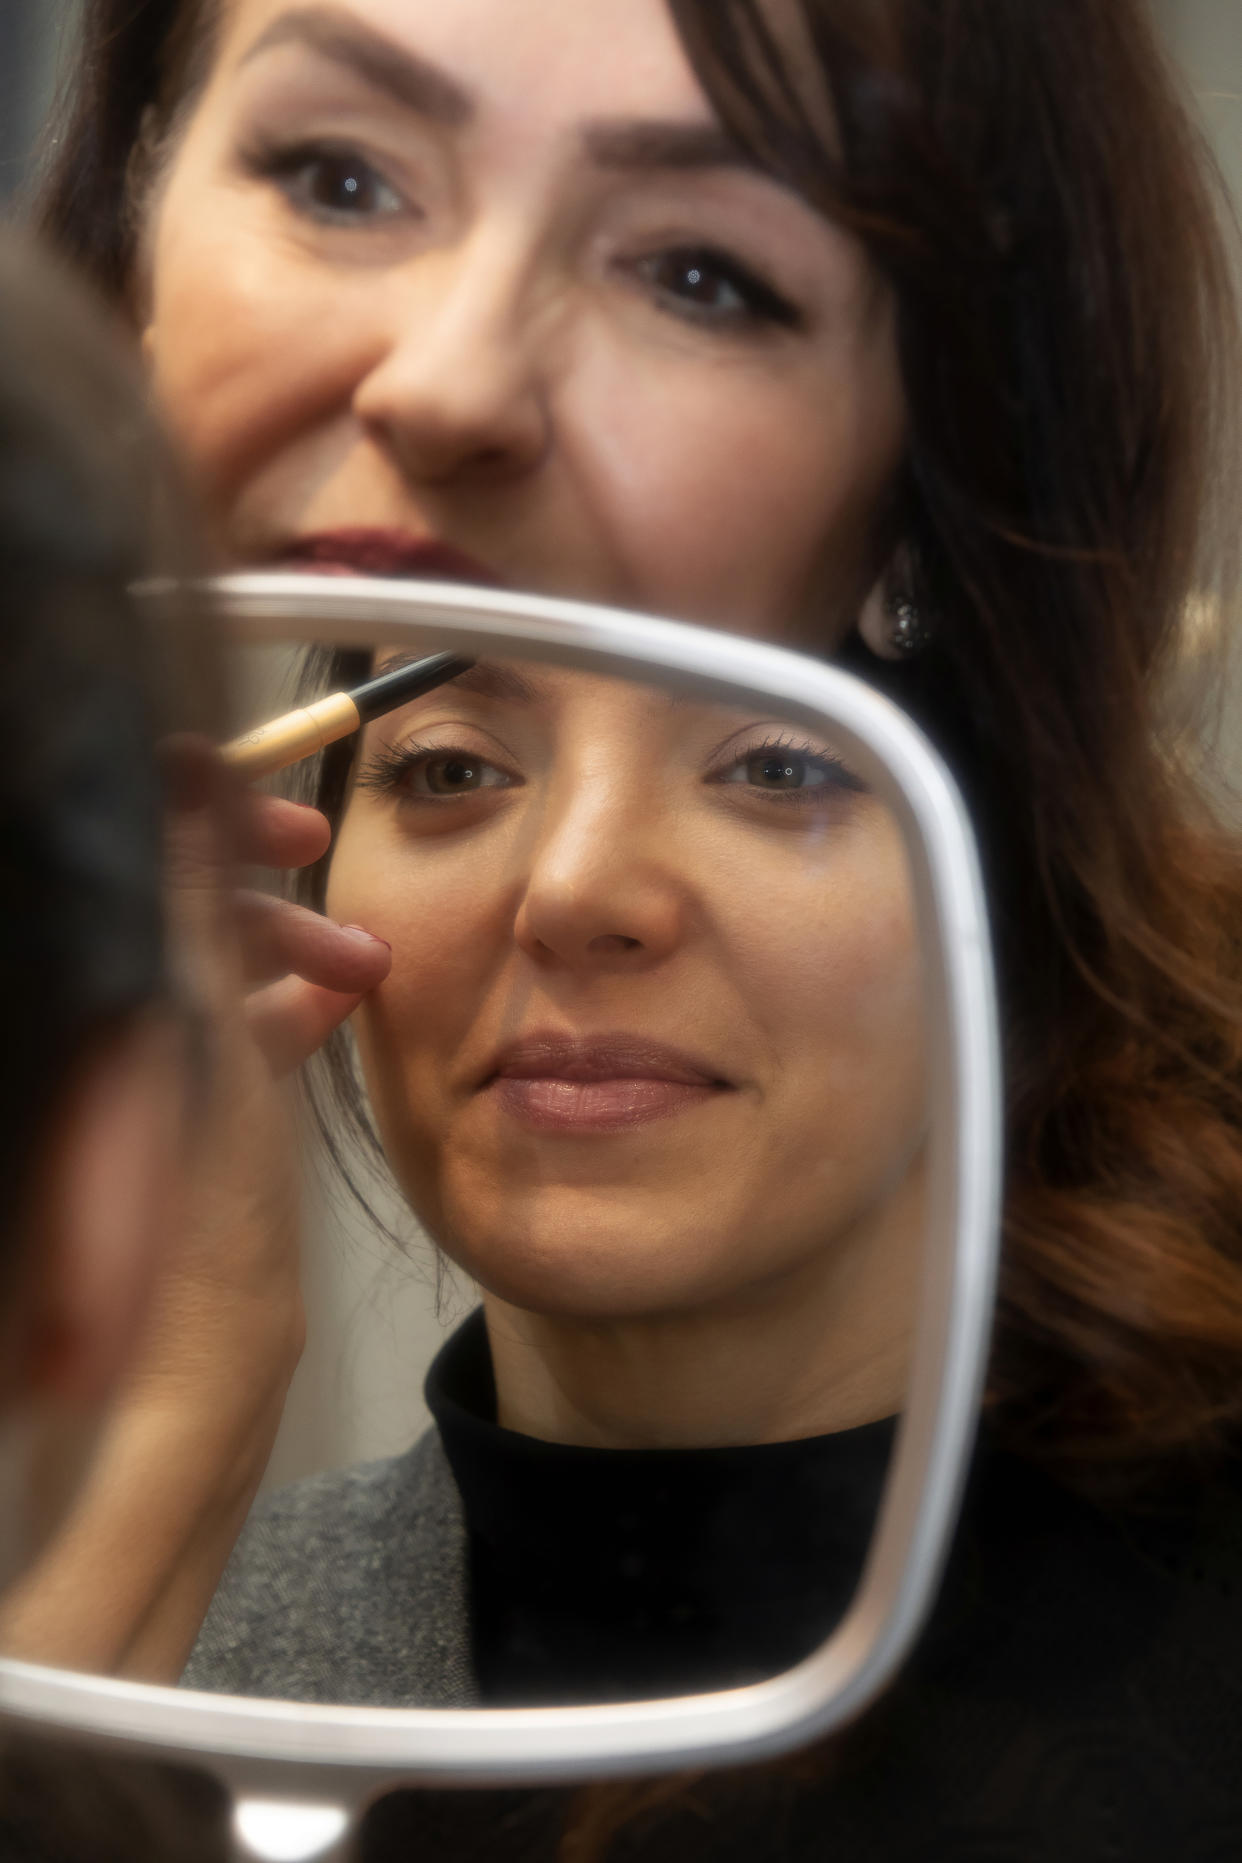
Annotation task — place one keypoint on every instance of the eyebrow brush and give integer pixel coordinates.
(298, 734)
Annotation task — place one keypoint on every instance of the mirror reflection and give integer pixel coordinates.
(647, 1070)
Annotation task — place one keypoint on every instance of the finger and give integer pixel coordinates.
(289, 1020)
(274, 832)
(278, 937)
(196, 855)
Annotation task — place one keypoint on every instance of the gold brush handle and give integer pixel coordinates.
(287, 740)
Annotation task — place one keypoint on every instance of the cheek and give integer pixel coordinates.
(838, 988)
(730, 493)
(247, 347)
(448, 918)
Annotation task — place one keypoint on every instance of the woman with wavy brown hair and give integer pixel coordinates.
(903, 331)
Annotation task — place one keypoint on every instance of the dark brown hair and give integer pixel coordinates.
(61, 1804)
(89, 681)
(1024, 173)
(87, 685)
(1026, 177)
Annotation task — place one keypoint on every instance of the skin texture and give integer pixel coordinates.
(474, 316)
(482, 352)
(623, 864)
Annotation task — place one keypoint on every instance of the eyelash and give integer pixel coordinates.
(759, 302)
(841, 779)
(287, 164)
(388, 770)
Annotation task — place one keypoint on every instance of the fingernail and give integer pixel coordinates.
(360, 931)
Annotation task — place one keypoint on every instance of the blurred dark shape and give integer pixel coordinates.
(30, 34)
(61, 1806)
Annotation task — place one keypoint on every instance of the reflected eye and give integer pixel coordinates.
(710, 287)
(421, 773)
(330, 183)
(796, 772)
(451, 774)
(784, 770)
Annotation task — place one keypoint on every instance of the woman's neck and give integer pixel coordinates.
(822, 1348)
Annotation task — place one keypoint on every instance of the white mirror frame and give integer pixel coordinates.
(314, 1769)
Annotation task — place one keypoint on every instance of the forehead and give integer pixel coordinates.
(543, 60)
(531, 682)
(571, 697)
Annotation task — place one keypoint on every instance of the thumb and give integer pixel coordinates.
(289, 1020)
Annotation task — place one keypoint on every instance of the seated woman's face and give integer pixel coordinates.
(652, 1035)
(487, 275)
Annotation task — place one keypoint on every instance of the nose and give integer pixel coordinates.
(459, 388)
(603, 893)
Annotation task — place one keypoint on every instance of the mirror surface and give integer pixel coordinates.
(644, 1089)
(647, 1075)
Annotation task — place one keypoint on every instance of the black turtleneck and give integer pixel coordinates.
(612, 1574)
(1075, 1698)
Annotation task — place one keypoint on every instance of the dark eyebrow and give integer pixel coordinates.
(376, 59)
(650, 144)
(425, 88)
(486, 679)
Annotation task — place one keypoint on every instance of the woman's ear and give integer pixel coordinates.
(104, 1198)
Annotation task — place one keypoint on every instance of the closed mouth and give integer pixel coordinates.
(362, 551)
(611, 1083)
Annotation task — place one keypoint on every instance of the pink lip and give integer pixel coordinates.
(607, 1083)
(359, 551)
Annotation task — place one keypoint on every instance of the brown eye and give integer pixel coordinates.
(453, 776)
(710, 287)
(327, 183)
(786, 770)
(441, 774)
(343, 184)
(696, 282)
(799, 773)
(423, 773)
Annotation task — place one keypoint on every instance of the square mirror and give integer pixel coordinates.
(687, 1063)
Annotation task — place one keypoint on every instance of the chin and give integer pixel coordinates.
(583, 1262)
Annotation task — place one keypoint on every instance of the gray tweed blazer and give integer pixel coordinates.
(349, 1587)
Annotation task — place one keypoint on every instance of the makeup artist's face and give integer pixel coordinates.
(484, 276)
(651, 1042)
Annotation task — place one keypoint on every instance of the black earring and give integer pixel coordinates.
(908, 629)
